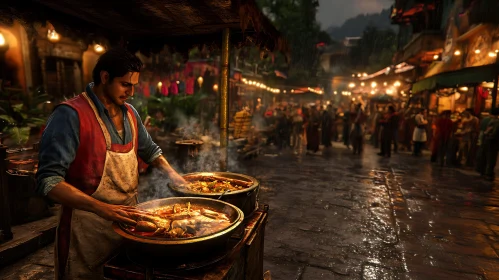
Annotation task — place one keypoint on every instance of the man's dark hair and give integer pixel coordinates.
(117, 62)
(391, 109)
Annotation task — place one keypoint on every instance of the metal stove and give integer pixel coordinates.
(242, 259)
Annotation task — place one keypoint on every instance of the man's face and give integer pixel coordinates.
(120, 88)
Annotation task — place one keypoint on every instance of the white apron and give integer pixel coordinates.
(93, 240)
(419, 134)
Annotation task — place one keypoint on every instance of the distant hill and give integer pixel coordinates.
(354, 27)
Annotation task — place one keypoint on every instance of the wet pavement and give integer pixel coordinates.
(340, 216)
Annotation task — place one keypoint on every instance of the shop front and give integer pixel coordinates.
(465, 74)
(471, 87)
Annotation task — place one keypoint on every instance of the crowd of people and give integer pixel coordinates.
(312, 126)
(457, 139)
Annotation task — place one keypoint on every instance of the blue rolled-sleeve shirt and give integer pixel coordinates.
(61, 138)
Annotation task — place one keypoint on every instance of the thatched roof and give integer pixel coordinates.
(147, 25)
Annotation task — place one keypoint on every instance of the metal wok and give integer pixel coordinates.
(182, 248)
(245, 199)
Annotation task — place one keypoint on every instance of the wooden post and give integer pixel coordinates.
(496, 80)
(44, 74)
(5, 225)
(59, 78)
(494, 94)
(224, 100)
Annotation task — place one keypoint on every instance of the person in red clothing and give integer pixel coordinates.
(89, 163)
(443, 133)
(389, 124)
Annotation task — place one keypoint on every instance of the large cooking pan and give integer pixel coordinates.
(182, 247)
(245, 199)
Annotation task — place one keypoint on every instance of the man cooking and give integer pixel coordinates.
(88, 162)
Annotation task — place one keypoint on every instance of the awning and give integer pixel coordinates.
(148, 26)
(466, 76)
(382, 98)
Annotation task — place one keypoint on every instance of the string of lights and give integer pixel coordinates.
(276, 90)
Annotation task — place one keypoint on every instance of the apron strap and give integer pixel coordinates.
(132, 127)
(107, 136)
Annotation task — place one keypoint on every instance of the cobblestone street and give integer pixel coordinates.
(345, 217)
(340, 216)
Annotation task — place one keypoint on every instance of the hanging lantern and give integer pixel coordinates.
(99, 49)
(53, 36)
(2, 40)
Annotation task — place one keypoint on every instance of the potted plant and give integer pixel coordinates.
(21, 115)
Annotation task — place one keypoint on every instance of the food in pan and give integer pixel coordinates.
(210, 184)
(179, 221)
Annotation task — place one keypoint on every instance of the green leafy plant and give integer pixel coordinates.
(20, 113)
(171, 109)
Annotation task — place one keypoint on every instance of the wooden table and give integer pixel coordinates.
(244, 262)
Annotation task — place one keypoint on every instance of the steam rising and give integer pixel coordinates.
(154, 185)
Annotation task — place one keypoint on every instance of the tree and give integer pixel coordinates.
(374, 51)
(296, 19)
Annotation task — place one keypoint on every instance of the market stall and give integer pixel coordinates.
(141, 26)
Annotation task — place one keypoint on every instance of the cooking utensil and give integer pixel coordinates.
(245, 199)
(182, 247)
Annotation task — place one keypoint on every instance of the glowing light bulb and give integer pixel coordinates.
(2, 40)
(98, 48)
(53, 36)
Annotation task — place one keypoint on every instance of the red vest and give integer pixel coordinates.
(86, 170)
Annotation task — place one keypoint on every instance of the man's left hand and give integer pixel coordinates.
(177, 179)
(163, 164)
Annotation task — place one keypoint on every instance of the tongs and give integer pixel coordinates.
(226, 191)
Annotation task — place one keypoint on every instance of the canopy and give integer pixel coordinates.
(382, 98)
(465, 76)
(149, 25)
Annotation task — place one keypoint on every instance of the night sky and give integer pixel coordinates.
(335, 12)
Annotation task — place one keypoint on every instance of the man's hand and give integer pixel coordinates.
(117, 213)
(72, 197)
(176, 179)
(163, 164)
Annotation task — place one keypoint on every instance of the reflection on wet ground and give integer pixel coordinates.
(339, 216)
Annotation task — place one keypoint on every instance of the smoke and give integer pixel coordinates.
(206, 159)
(154, 186)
